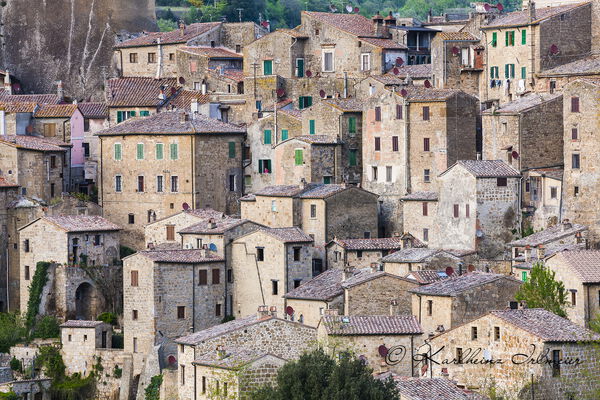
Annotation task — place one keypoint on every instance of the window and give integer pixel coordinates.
(202, 277)
(494, 39)
(49, 130)
(273, 205)
(509, 37)
(574, 104)
(117, 151)
(264, 166)
(328, 64)
(430, 307)
(555, 363)
(467, 210)
(313, 211)
(351, 126)
(174, 151)
(352, 157)
(359, 254)
(574, 133)
(85, 338)
(394, 143)
(182, 374)
(297, 282)
(139, 151)
(388, 174)
(300, 67)
(524, 276)
(573, 297)
(231, 149)
(576, 191)
(297, 253)
(159, 151)
(140, 184)
(52, 190)
(268, 67)
(425, 235)
(553, 192)
(230, 275)
(473, 333)
(367, 235)
(456, 210)
(170, 232)
(27, 273)
(377, 144)
(259, 105)
(134, 315)
(459, 355)
(134, 278)
(524, 36)
(174, 184)
(135, 347)
(494, 73)
(425, 209)
(160, 184)
(96, 240)
(151, 58)
(377, 113)
(426, 176)
(496, 333)
(70, 338)
(260, 254)
(86, 149)
(274, 287)
(218, 310)
(426, 113)
(131, 218)
(216, 276)
(365, 62)
(311, 127)
(426, 146)
(180, 312)
(304, 102)
(509, 71)
(374, 174)
(171, 56)
(575, 161)
(523, 72)
(501, 181)
(118, 183)
(398, 111)
(327, 179)
(267, 136)
(284, 134)
(53, 161)
(133, 58)
(26, 247)
(203, 384)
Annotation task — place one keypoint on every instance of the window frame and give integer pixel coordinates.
(325, 52)
(366, 56)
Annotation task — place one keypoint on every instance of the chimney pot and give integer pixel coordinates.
(263, 311)
(331, 311)
(541, 252)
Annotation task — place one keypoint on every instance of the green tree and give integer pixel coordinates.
(12, 330)
(47, 327)
(166, 25)
(542, 290)
(317, 376)
(196, 3)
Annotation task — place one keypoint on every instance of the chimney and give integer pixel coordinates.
(303, 183)
(194, 106)
(212, 223)
(263, 311)
(374, 267)
(183, 117)
(348, 273)
(527, 253)
(377, 24)
(390, 20)
(393, 307)
(273, 311)
(7, 85)
(181, 27)
(221, 352)
(566, 225)
(60, 91)
(531, 9)
(541, 253)
(331, 311)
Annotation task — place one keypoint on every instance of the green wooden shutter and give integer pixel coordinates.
(327, 180)
(512, 70)
(268, 67)
(140, 151)
(494, 39)
(267, 136)
(260, 166)
(119, 116)
(506, 72)
(144, 113)
(308, 101)
(284, 134)
(298, 156)
(524, 36)
(117, 151)
(311, 124)
(506, 41)
(159, 151)
(352, 125)
(352, 157)
(300, 67)
(174, 151)
(523, 72)
(231, 149)
(524, 276)
(132, 113)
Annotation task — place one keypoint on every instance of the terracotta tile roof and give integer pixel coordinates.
(384, 43)
(292, 113)
(169, 122)
(248, 197)
(142, 92)
(586, 66)
(321, 191)
(546, 325)
(55, 111)
(181, 256)
(519, 18)
(211, 52)
(425, 277)
(78, 323)
(234, 358)
(183, 99)
(487, 168)
(551, 234)
(524, 103)
(432, 389)
(6, 184)
(421, 196)
(18, 107)
(415, 254)
(94, 110)
(456, 36)
(38, 143)
(82, 223)
(549, 250)
(421, 93)
(29, 98)
(288, 235)
(453, 286)
(280, 191)
(366, 275)
(293, 33)
(348, 105)
(205, 213)
(551, 172)
(358, 325)
(393, 243)
(585, 264)
(354, 24)
(214, 227)
(317, 139)
(416, 71)
(324, 287)
(172, 37)
(236, 75)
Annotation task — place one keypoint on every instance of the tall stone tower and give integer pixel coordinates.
(44, 41)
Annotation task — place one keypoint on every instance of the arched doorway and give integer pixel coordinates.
(85, 301)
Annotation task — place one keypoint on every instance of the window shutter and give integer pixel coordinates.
(119, 116)
(268, 67)
(284, 134)
(398, 111)
(425, 113)
(456, 211)
(574, 104)
(394, 143)
(377, 113)
(352, 125)
(174, 151)
(267, 136)
(524, 36)
(117, 151)
(311, 124)
(425, 209)
(574, 134)
(523, 72)
(140, 151)
(298, 156)
(260, 166)
(231, 149)
(494, 39)
(132, 113)
(506, 41)
(159, 151)
(377, 144)
(352, 157)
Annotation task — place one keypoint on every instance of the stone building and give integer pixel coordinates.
(526, 132)
(422, 388)
(80, 240)
(408, 260)
(95, 119)
(261, 333)
(361, 253)
(521, 44)
(384, 343)
(581, 158)
(580, 273)
(268, 263)
(201, 69)
(450, 302)
(168, 294)
(397, 78)
(541, 196)
(419, 212)
(155, 164)
(9, 192)
(409, 138)
(478, 207)
(556, 78)
(40, 166)
(513, 339)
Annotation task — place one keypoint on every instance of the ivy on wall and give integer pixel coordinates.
(40, 277)
(152, 391)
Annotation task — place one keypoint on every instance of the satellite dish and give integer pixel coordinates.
(396, 71)
(553, 49)
(514, 155)
(479, 233)
(486, 7)
(449, 271)
(356, 9)
(403, 93)
(322, 93)
(399, 61)
(280, 92)
(332, 8)
(185, 206)
(499, 6)
(349, 8)
(308, 73)
(181, 80)
(173, 91)
(427, 83)
(455, 50)
(383, 351)
(289, 310)
(265, 24)
(471, 268)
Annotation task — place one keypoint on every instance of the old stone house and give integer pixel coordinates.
(167, 294)
(411, 259)
(410, 388)
(580, 176)
(526, 132)
(95, 119)
(16, 110)
(556, 78)
(409, 138)
(155, 164)
(478, 206)
(521, 44)
(513, 339)
(9, 192)
(383, 342)
(268, 263)
(200, 68)
(580, 273)
(261, 333)
(450, 302)
(71, 241)
(419, 211)
(40, 166)
(541, 196)
(397, 78)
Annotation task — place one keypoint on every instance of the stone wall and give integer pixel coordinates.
(375, 297)
(416, 222)
(352, 213)
(274, 212)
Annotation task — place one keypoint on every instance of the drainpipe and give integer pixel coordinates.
(406, 147)
(587, 306)
(7, 281)
(345, 84)
(291, 58)
(159, 52)
(193, 298)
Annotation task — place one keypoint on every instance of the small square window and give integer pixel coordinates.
(180, 312)
(260, 254)
(134, 315)
(575, 161)
(501, 182)
(218, 310)
(496, 333)
(313, 211)
(297, 253)
(275, 287)
(426, 175)
(131, 218)
(473, 333)
(202, 277)
(425, 235)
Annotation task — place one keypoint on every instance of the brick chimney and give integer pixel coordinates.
(348, 273)
(331, 311)
(181, 27)
(183, 117)
(531, 9)
(273, 311)
(263, 311)
(60, 92)
(566, 225)
(377, 24)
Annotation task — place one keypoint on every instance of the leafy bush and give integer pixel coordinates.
(152, 391)
(9, 396)
(12, 330)
(16, 365)
(40, 277)
(228, 318)
(166, 25)
(125, 251)
(47, 327)
(108, 317)
(117, 372)
(118, 341)
(65, 387)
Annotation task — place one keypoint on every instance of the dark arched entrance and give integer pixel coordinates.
(85, 300)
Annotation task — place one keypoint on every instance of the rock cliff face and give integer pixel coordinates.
(70, 40)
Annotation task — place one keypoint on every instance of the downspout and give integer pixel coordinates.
(193, 298)
(193, 155)
(286, 272)
(120, 63)
(159, 66)
(486, 79)
(195, 378)
(419, 296)
(7, 281)
(291, 58)
(412, 356)
(587, 306)
(406, 147)
(521, 178)
(99, 179)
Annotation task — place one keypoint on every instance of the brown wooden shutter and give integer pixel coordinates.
(394, 143)
(574, 104)
(202, 277)
(398, 111)
(216, 276)
(377, 144)
(456, 211)
(424, 208)
(425, 113)
(134, 278)
(170, 232)
(377, 113)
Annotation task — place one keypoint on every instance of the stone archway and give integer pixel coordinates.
(85, 301)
